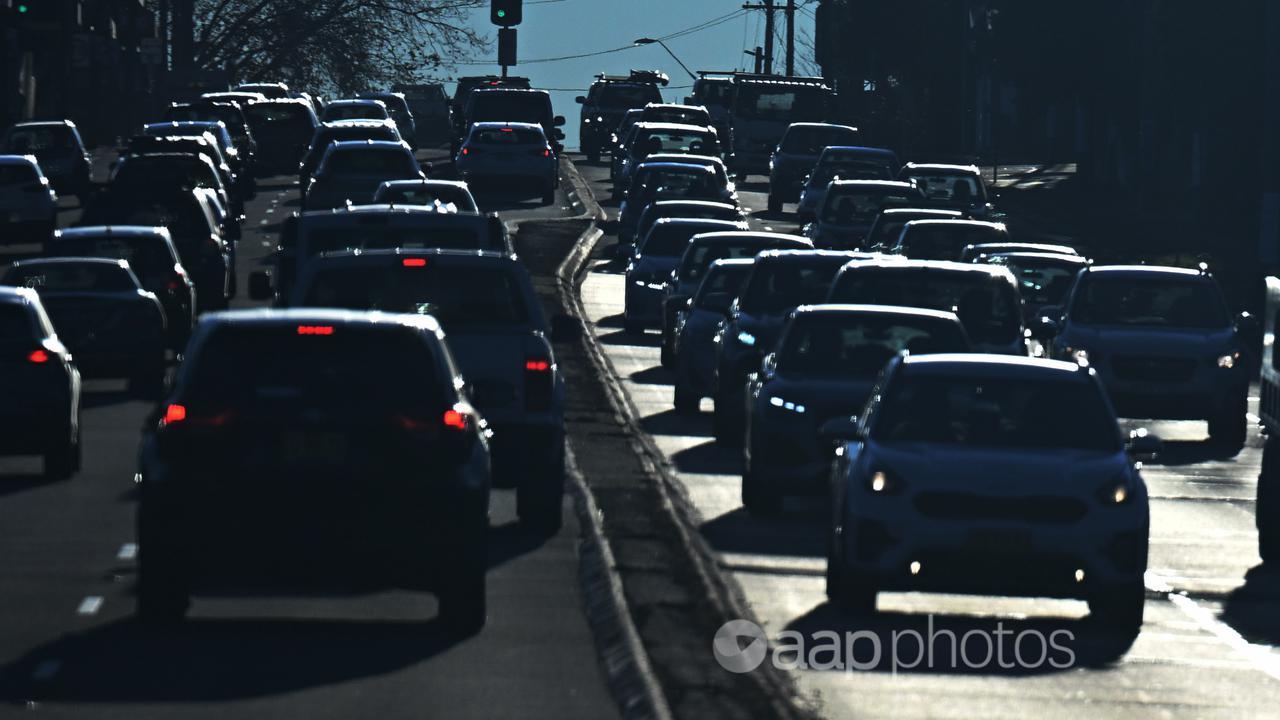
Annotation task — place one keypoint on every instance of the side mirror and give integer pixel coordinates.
(1143, 445)
(565, 329)
(581, 100)
(558, 121)
(840, 429)
(260, 287)
(769, 366)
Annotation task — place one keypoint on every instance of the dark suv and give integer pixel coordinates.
(609, 98)
(339, 448)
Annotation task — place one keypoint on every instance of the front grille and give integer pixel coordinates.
(957, 505)
(1149, 368)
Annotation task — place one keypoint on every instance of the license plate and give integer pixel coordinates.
(313, 448)
(999, 540)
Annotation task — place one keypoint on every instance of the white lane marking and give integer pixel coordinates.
(128, 552)
(1258, 656)
(90, 605)
(46, 670)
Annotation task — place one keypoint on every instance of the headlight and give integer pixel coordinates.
(586, 120)
(599, 118)
(1116, 492)
(747, 338)
(883, 482)
(1226, 362)
(786, 405)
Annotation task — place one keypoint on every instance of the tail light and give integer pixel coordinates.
(177, 414)
(39, 357)
(539, 382)
(466, 151)
(457, 418)
(414, 262)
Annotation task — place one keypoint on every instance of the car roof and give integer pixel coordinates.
(729, 236)
(685, 159)
(733, 262)
(205, 125)
(946, 222)
(698, 222)
(270, 317)
(353, 211)
(25, 160)
(44, 124)
(116, 262)
(925, 213)
(673, 127)
(428, 183)
(859, 150)
(672, 106)
(349, 102)
(94, 231)
(380, 145)
(356, 123)
(522, 91)
(872, 185)
(1025, 247)
(690, 167)
(801, 256)
(881, 310)
(998, 367)
(1140, 271)
(938, 266)
(821, 125)
(18, 295)
(454, 257)
(943, 168)
(691, 204)
(1059, 257)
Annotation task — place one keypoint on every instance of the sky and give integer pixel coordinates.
(556, 28)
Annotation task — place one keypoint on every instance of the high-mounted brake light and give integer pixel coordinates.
(537, 365)
(414, 262)
(507, 130)
(174, 413)
(455, 419)
(39, 357)
(315, 329)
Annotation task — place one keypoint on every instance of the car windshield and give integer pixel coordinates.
(1041, 282)
(1164, 302)
(458, 297)
(509, 137)
(620, 96)
(849, 170)
(18, 174)
(848, 206)
(779, 286)
(996, 412)
(677, 116)
(692, 142)
(677, 184)
(382, 163)
(167, 172)
(427, 195)
(146, 255)
(700, 256)
(950, 189)
(945, 241)
(669, 240)
(988, 307)
(811, 140)
(722, 281)
(53, 140)
(71, 277)
(765, 102)
(510, 107)
(353, 370)
(859, 346)
(383, 238)
(360, 111)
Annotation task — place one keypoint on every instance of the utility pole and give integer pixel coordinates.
(769, 9)
(184, 31)
(791, 38)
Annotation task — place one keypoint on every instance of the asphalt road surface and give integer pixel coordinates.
(69, 646)
(1207, 649)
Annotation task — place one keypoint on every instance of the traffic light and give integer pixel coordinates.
(506, 13)
(23, 8)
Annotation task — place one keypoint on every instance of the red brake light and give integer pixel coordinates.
(539, 384)
(546, 152)
(414, 262)
(39, 357)
(537, 365)
(174, 413)
(509, 130)
(315, 329)
(466, 151)
(455, 419)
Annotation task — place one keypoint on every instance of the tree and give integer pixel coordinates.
(335, 45)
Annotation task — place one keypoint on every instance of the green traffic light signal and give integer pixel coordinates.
(501, 13)
(22, 8)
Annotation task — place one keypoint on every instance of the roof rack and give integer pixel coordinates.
(782, 80)
(642, 76)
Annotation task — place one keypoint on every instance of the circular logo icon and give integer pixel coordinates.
(740, 646)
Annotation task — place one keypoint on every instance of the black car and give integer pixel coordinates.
(342, 131)
(339, 447)
(40, 385)
(609, 98)
(102, 315)
(58, 148)
(283, 129)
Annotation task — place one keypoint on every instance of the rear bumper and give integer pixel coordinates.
(521, 450)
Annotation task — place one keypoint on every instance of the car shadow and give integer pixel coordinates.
(621, 337)
(795, 533)
(1253, 609)
(212, 660)
(1178, 453)
(910, 643)
(708, 458)
(670, 422)
(22, 482)
(656, 375)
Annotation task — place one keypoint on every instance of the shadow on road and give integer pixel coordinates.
(796, 534)
(1178, 453)
(707, 458)
(620, 337)
(1253, 609)
(20, 483)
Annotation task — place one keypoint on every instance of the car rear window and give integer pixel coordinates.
(508, 136)
(1150, 302)
(942, 241)
(15, 322)
(812, 140)
(846, 206)
(669, 240)
(277, 115)
(383, 163)
(677, 116)
(509, 107)
(949, 188)
(146, 255)
(71, 277)
(778, 286)
(186, 222)
(167, 172)
(31, 140)
(355, 112)
(425, 195)
(383, 238)
(625, 96)
(651, 142)
(722, 280)
(677, 184)
(996, 412)
(1041, 282)
(17, 174)
(859, 347)
(700, 256)
(459, 297)
(988, 307)
(850, 170)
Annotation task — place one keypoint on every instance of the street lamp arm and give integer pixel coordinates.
(651, 41)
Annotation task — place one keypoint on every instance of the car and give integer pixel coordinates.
(269, 90)
(985, 297)
(618, 138)
(238, 181)
(842, 162)
(650, 269)
(497, 334)
(152, 256)
(341, 446)
(704, 249)
(675, 114)
(511, 105)
(59, 149)
(227, 186)
(240, 98)
(946, 239)
(1163, 343)
(355, 110)
(888, 225)
(163, 171)
(429, 106)
(343, 131)
(398, 106)
(371, 227)
(351, 171)
(653, 138)
(509, 154)
(426, 192)
(796, 155)
(608, 98)
(696, 327)
(953, 187)
(955, 479)
(28, 203)
(780, 281)
(849, 207)
(668, 181)
(230, 114)
(109, 323)
(713, 162)
(284, 128)
(689, 209)
(1044, 279)
(464, 88)
(191, 219)
(972, 252)
(826, 361)
(41, 384)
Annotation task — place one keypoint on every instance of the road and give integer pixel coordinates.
(1207, 649)
(69, 646)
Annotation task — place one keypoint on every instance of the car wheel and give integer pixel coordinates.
(667, 355)
(1266, 510)
(686, 401)
(760, 498)
(163, 596)
(775, 204)
(1230, 427)
(1119, 608)
(63, 461)
(463, 608)
(540, 500)
(632, 327)
(855, 596)
(549, 194)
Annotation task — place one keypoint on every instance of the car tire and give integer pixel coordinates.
(667, 355)
(632, 327)
(1230, 428)
(463, 602)
(686, 401)
(62, 462)
(853, 596)
(1119, 608)
(728, 432)
(775, 204)
(163, 594)
(549, 194)
(759, 498)
(1267, 510)
(540, 500)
